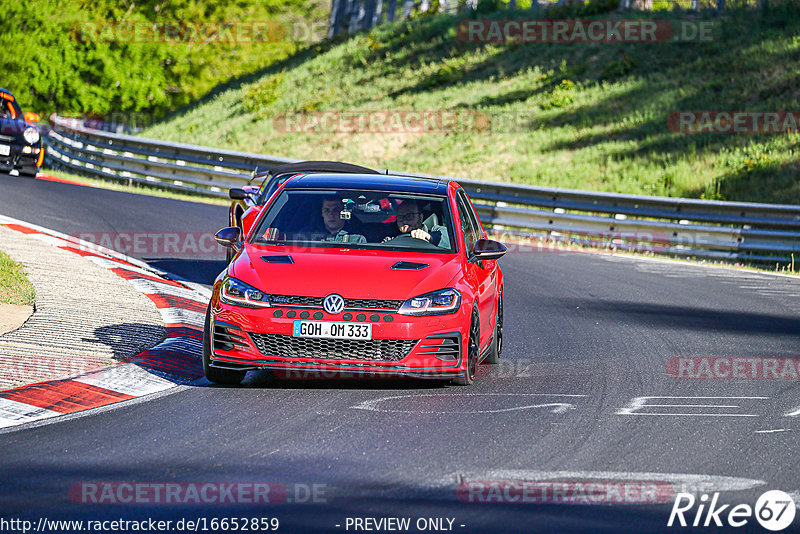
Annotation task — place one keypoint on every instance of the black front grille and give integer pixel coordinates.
(333, 349)
(316, 302)
(368, 304)
(294, 300)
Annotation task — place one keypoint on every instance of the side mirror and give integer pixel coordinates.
(31, 117)
(237, 194)
(486, 249)
(229, 237)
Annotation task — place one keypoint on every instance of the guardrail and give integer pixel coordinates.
(737, 231)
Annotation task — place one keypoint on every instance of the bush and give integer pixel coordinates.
(260, 95)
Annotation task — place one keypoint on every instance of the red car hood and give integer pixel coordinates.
(352, 273)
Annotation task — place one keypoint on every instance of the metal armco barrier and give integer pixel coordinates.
(676, 226)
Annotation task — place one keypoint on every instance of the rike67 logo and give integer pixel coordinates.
(774, 510)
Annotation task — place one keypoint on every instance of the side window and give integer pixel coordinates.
(467, 227)
(473, 217)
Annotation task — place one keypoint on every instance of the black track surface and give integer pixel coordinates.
(597, 328)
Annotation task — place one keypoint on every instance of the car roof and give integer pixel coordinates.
(316, 166)
(404, 184)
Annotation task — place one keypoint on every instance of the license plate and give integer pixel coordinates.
(332, 330)
(5, 150)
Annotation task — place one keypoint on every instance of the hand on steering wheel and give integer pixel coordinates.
(419, 233)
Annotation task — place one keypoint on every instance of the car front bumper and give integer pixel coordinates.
(401, 345)
(21, 156)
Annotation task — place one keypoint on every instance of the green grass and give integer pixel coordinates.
(587, 116)
(137, 189)
(15, 288)
(80, 57)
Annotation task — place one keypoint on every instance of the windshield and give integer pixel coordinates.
(271, 184)
(358, 219)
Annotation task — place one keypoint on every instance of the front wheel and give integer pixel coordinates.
(472, 353)
(227, 377)
(30, 172)
(497, 339)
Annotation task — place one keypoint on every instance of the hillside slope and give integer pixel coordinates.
(139, 59)
(580, 115)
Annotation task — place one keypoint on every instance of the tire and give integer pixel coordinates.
(226, 377)
(30, 172)
(497, 339)
(473, 346)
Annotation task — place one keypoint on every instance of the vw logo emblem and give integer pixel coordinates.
(333, 304)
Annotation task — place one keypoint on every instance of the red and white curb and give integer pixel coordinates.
(173, 362)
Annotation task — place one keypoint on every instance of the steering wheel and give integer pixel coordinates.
(405, 238)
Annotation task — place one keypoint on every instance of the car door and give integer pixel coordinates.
(479, 273)
(489, 286)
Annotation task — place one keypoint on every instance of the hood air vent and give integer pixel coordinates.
(409, 265)
(277, 259)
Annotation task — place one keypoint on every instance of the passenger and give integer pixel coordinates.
(336, 228)
(409, 222)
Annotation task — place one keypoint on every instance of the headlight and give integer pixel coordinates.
(437, 303)
(237, 293)
(31, 135)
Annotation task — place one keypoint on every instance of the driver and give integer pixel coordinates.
(336, 228)
(409, 222)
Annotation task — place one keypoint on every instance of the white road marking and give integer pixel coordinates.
(114, 264)
(640, 403)
(149, 287)
(13, 413)
(773, 431)
(126, 378)
(793, 413)
(178, 315)
(50, 240)
(557, 407)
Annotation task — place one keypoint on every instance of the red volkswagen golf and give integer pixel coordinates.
(369, 275)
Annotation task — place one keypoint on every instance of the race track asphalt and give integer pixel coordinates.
(587, 338)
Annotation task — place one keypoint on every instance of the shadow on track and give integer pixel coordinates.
(201, 271)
